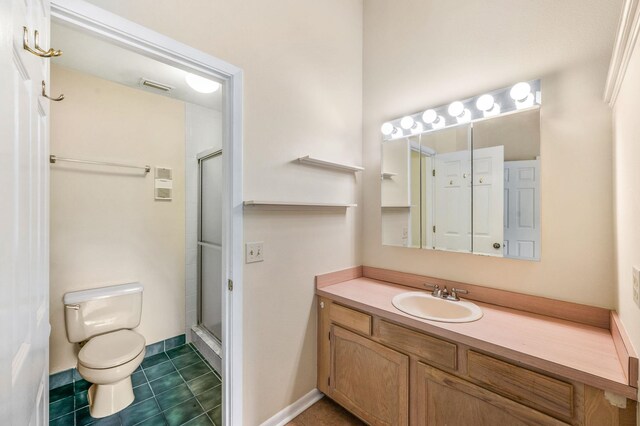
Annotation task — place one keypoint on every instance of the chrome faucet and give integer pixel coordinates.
(443, 293)
(454, 293)
(437, 292)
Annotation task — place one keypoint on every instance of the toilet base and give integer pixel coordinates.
(105, 400)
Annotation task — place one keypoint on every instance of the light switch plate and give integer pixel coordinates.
(636, 286)
(254, 252)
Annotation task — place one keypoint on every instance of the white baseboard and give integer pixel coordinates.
(287, 414)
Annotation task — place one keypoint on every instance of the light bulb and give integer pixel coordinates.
(439, 123)
(526, 102)
(493, 111)
(407, 122)
(520, 91)
(201, 84)
(456, 109)
(464, 117)
(485, 103)
(429, 116)
(388, 129)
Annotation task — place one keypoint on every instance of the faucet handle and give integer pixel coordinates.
(436, 289)
(455, 291)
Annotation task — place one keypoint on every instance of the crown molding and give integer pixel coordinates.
(628, 31)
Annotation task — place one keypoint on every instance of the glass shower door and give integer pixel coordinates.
(210, 244)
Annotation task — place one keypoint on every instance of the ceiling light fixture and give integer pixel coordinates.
(201, 84)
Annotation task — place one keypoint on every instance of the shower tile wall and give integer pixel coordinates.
(204, 130)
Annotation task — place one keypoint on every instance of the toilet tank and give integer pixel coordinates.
(88, 313)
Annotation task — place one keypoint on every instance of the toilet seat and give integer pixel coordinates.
(111, 349)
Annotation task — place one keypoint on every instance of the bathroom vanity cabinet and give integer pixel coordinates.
(389, 373)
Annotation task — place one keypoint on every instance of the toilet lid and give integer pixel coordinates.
(111, 349)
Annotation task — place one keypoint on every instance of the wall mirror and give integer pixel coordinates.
(466, 177)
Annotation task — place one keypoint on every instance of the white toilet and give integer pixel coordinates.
(101, 320)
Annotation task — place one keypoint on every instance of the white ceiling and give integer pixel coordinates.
(102, 59)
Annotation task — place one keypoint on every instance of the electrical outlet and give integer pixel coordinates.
(254, 252)
(636, 286)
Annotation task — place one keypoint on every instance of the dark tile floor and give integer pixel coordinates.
(176, 387)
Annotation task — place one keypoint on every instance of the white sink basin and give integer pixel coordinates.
(424, 305)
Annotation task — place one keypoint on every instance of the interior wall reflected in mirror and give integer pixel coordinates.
(400, 196)
(472, 188)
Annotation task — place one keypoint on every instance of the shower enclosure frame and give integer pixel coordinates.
(91, 19)
(201, 157)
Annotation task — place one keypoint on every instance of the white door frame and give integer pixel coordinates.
(106, 25)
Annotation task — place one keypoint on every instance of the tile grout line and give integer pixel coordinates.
(214, 373)
(204, 359)
(153, 393)
(177, 370)
(194, 396)
(200, 358)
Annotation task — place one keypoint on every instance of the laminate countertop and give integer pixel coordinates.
(569, 349)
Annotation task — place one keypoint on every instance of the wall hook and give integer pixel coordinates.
(44, 93)
(37, 50)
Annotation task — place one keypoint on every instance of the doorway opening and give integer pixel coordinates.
(216, 309)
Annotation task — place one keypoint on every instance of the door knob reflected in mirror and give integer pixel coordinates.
(496, 245)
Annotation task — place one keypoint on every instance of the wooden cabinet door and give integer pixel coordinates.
(444, 399)
(369, 379)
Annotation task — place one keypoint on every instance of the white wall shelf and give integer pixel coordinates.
(387, 175)
(294, 204)
(329, 164)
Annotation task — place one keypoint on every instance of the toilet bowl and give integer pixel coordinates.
(101, 321)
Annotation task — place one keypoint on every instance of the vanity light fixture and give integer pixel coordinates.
(459, 112)
(521, 96)
(201, 84)
(389, 129)
(488, 105)
(430, 116)
(408, 123)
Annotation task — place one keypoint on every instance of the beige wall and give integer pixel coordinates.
(304, 92)
(106, 227)
(302, 61)
(627, 198)
(428, 53)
